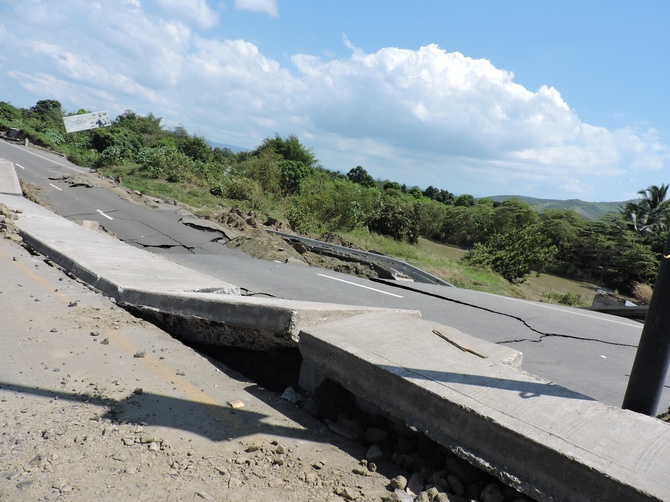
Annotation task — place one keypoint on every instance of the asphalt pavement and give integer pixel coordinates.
(588, 352)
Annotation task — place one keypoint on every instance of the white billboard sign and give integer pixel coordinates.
(85, 121)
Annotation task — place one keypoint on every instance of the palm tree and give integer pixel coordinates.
(650, 215)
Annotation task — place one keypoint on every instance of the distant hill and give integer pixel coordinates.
(589, 210)
(233, 148)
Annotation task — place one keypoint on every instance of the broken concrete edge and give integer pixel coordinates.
(9, 181)
(558, 446)
(281, 317)
(69, 265)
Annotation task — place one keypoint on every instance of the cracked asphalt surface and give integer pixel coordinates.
(587, 352)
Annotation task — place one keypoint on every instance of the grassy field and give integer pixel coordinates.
(545, 287)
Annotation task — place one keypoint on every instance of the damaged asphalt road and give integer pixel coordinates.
(587, 352)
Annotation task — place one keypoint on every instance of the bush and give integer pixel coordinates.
(642, 293)
(570, 299)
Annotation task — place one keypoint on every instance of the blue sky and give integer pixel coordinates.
(546, 99)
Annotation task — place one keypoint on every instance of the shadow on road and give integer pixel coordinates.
(525, 389)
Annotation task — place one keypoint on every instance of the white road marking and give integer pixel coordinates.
(574, 312)
(19, 165)
(59, 189)
(359, 285)
(49, 160)
(105, 215)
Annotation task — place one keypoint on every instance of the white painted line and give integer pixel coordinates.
(19, 165)
(47, 159)
(574, 311)
(59, 189)
(360, 285)
(105, 215)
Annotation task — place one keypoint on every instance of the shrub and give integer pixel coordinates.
(642, 292)
(570, 299)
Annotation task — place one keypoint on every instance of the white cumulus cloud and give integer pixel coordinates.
(421, 116)
(197, 11)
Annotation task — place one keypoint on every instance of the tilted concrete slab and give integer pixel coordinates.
(548, 441)
(105, 263)
(193, 306)
(9, 182)
(238, 321)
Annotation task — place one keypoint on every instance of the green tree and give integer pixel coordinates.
(48, 109)
(292, 176)
(467, 225)
(513, 254)
(650, 216)
(360, 176)
(289, 148)
(465, 200)
(513, 214)
(614, 255)
(396, 220)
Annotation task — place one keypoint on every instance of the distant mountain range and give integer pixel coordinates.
(589, 210)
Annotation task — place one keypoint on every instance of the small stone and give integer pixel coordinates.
(105, 341)
(347, 493)
(138, 390)
(415, 484)
(399, 482)
(423, 497)
(372, 467)
(349, 429)
(154, 446)
(128, 441)
(234, 483)
(53, 330)
(95, 333)
(73, 303)
(252, 448)
(139, 354)
(360, 471)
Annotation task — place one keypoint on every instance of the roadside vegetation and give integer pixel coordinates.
(503, 243)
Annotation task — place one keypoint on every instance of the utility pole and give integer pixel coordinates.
(650, 367)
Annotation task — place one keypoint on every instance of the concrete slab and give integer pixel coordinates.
(196, 307)
(548, 441)
(105, 263)
(251, 322)
(9, 182)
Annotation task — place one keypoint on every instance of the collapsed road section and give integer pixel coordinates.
(547, 441)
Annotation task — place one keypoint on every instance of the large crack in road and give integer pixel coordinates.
(542, 334)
